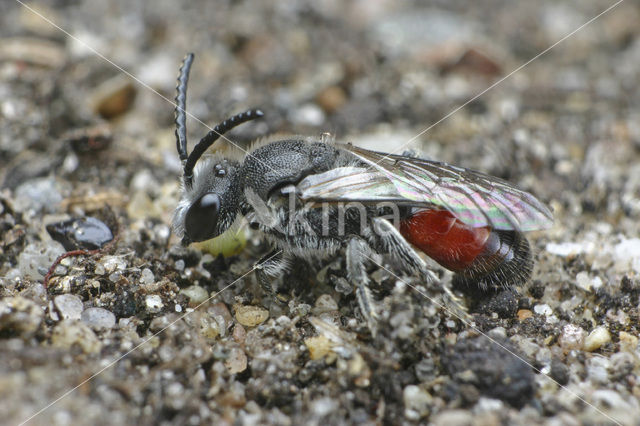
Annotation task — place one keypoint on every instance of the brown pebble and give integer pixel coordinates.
(523, 314)
(233, 399)
(113, 97)
(474, 62)
(331, 99)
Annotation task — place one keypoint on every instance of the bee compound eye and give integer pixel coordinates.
(202, 217)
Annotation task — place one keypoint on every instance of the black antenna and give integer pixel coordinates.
(189, 160)
(213, 136)
(181, 105)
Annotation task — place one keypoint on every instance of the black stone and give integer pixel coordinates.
(85, 233)
(496, 372)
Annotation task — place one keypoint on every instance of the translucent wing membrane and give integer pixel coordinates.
(475, 198)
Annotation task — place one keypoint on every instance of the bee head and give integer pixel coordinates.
(211, 191)
(210, 205)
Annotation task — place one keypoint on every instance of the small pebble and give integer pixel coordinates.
(250, 316)
(69, 333)
(498, 333)
(239, 333)
(98, 318)
(565, 249)
(99, 269)
(113, 263)
(627, 253)
(543, 309)
(416, 402)
(38, 51)
(523, 314)
(154, 303)
(196, 295)
(626, 411)
(36, 258)
(237, 361)
(179, 265)
(628, 342)
(141, 206)
(113, 97)
(622, 364)
(457, 417)
(324, 406)
(176, 396)
(19, 316)
(331, 99)
(586, 282)
(572, 338)
(163, 232)
(220, 309)
(324, 303)
(426, 370)
(318, 346)
(598, 337)
(208, 327)
(144, 181)
(38, 194)
(597, 369)
(69, 306)
(343, 286)
(309, 114)
(359, 370)
(146, 277)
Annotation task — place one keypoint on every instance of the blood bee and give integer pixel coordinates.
(294, 190)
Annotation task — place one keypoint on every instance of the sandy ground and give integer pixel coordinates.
(80, 137)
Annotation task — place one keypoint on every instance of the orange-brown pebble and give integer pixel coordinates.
(523, 314)
(331, 99)
(113, 97)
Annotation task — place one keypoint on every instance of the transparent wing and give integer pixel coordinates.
(475, 198)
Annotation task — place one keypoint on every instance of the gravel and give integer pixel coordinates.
(69, 306)
(79, 139)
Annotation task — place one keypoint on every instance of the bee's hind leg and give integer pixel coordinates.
(397, 247)
(357, 253)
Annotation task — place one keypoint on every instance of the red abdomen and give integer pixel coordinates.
(481, 255)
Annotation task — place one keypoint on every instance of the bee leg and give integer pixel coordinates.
(358, 251)
(268, 267)
(393, 243)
